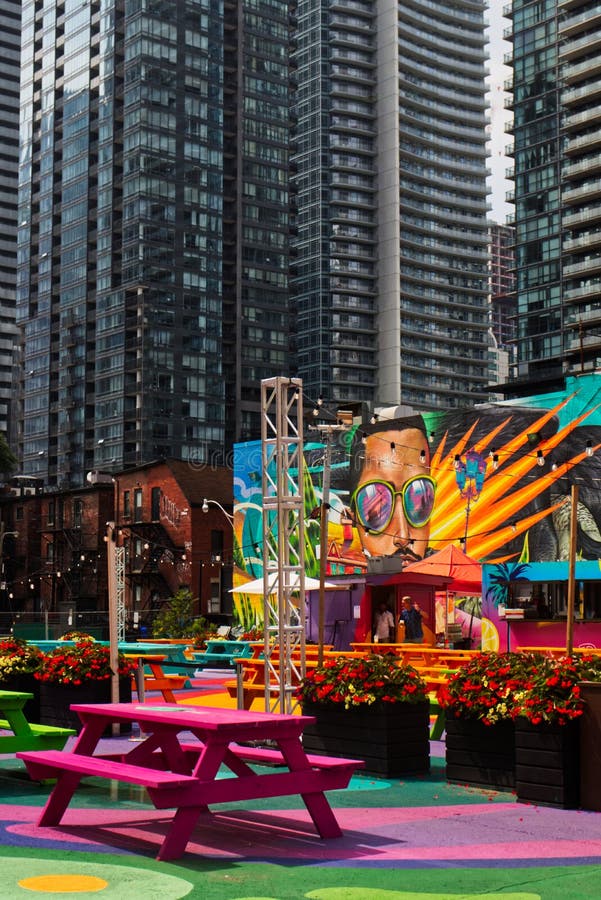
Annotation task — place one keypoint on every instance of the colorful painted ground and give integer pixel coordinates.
(415, 839)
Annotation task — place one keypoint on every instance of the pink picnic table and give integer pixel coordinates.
(180, 773)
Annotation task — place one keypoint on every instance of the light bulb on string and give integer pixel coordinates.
(540, 459)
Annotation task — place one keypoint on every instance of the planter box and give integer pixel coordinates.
(26, 684)
(547, 764)
(590, 746)
(393, 738)
(483, 755)
(55, 700)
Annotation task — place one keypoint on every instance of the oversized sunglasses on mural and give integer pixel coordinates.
(374, 502)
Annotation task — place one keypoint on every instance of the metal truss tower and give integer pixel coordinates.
(283, 540)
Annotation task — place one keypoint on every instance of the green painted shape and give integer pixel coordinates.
(123, 883)
(351, 893)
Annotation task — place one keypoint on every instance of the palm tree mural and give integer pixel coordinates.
(500, 579)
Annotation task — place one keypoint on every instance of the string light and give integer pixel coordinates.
(540, 459)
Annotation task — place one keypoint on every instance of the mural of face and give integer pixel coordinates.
(394, 498)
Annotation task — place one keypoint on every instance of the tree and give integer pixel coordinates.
(8, 460)
(177, 620)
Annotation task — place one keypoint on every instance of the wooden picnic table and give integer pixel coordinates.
(21, 734)
(184, 775)
(559, 651)
(158, 680)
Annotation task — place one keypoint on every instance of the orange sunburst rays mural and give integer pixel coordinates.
(497, 515)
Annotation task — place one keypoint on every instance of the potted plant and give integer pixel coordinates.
(18, 663)
(78, 673)
(480, 732)
(373, 708)
(77, 636)
(547, 710)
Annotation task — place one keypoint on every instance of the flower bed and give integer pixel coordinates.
(539, 698)
(348, 682)
(82, 662)
(375, 709)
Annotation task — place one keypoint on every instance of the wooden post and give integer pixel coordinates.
(323, 552)
(572, 570)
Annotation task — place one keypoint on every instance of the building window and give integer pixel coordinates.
(155, 504)
(126, 505)
(77, 513)
(50, 518)
(216, 546)
(138, 505)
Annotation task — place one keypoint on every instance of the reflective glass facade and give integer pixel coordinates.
(556, 90)
(10, 36)
(390, 278)
(537, 152)
(153, 254)
(580, 58)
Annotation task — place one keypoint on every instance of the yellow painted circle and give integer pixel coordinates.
(64, 884)
(490, 636)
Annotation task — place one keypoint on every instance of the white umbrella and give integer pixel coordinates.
(256, 586)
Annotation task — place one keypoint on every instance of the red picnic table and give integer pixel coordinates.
(181, 774)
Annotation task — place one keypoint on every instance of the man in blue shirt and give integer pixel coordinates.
(411, 616)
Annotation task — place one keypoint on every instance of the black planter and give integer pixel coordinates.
(590, 746)
(547, 763)
(392, 738)
(56, 699)
(483, 755)
(25, 684)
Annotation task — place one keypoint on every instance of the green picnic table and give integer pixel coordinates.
(16, 733)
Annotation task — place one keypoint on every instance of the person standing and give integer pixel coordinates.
(383, 625)
(411, 616)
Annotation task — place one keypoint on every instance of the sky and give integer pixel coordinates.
(499, 73)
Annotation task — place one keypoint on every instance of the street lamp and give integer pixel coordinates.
(205, 509)
(469, 475)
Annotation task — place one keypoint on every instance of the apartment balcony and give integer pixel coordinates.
(581, 22)
(575, 48)
(580, 120)
(588, 190)
(582, 268)
(585, 241)
(582, 292)
(581, 217)
(579, 70)
(584, 92)
(586, 143)
(583, 317)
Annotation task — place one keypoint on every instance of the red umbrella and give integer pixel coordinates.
(450, 562)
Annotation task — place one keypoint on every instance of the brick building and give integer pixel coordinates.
(57, 563)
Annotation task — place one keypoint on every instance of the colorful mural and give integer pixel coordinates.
(494, 480)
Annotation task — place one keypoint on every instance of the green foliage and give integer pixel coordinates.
(347, 681)
(177, 619)
(8, 460)
(17, 657)
(501, 686)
